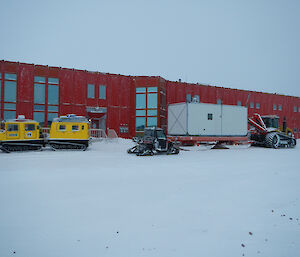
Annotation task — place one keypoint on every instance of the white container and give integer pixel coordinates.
(200, 119)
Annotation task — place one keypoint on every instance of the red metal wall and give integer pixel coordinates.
(120, 95)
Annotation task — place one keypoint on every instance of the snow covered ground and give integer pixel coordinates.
(104, 202)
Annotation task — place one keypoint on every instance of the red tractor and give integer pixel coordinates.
(265, 131)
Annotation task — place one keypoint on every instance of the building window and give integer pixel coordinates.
(53, 94)
(10, 91)
(151, 100)
(151, 112)
(209, 116)
(280, 107)
(140, 113)
(0, 92)
(140, 101)
(140, 123)
(39, 117)
(251, 105)
(10, 95)
(257, 105)
(9, 106)
(39, 93)
(219, 101)
(91, 91)
(295, 108)
(8, 115)
(239, 103)
(102, 92)
(299, 109)
(50, 117)
(188, 98)
(146, 107)
(274, 107)
(39, 79)
(54, 81)
(295, 130)
(196, 99)
(299, 130)
(43, 88)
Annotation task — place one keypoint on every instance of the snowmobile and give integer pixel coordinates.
(153, 142)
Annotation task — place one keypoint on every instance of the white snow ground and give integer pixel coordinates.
(104, 202)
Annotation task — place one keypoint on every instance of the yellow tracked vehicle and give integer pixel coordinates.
(69, 132)
(20, 135)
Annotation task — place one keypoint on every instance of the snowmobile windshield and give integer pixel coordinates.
(161, 134)
(149, 133)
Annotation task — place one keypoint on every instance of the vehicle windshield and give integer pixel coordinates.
(271, 122)
(160, 134)
(148, 133)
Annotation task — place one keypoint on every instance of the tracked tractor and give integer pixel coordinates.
(153, 142)
(265, 131)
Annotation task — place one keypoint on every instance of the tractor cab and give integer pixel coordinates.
(271, 121)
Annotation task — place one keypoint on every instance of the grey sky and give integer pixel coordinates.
(251, 45)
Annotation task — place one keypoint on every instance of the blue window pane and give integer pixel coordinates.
(140, 123)
(10, 91)
(151, 112)
(39, 93)
(53, 81)
(39, 79)
(10, 76)
(52, 108)
(257, 106)
(152, 101)
(152, 89)
(140, 90)
(140, 113)
(39, 117)
(151, 121)
(52, 94)
(219, 101)
(102, 92)
(9, 106)
(0, 75)
(140, 101)
(239, 103)
(188, 98)
(9, 115)
(51, 116)
(91, 91)
(39, 108)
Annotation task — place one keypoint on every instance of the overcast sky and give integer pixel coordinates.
(244, 44)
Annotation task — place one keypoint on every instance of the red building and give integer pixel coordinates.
(123, 103)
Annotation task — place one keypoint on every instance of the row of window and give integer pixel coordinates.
(146, 107)
(15, 127)
(91, 91)
(196, 99)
